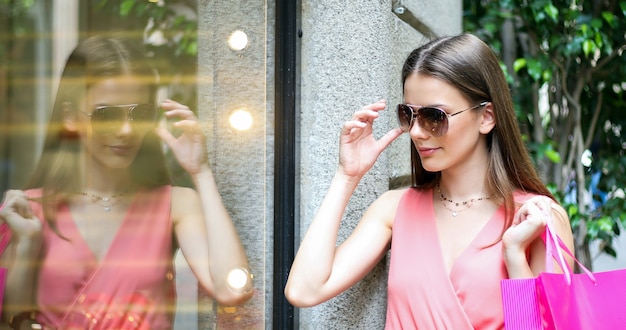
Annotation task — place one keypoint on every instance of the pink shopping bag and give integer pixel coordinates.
(520, 304)
(567, 301)
(5, 237)
(585, 303)
(520, 300)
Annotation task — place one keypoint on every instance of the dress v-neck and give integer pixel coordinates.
(481, 238)
(420, 294)
(95, 262)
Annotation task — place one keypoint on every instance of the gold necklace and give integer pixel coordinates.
(466, 204)
(106, 202)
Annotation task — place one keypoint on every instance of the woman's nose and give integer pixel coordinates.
(126, 128)
(417, 132)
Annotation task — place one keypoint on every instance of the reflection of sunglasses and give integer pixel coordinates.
(110, 118)
(431, 119)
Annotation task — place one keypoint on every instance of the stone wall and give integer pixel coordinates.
(352, 53)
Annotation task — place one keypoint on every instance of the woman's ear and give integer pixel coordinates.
(69, 119)
(488, 119)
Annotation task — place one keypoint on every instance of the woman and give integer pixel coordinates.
(475, 211)
(93, 236)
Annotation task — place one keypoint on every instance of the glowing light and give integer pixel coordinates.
(240, 280)
(238, 40)
(241, 120)
(237, 278)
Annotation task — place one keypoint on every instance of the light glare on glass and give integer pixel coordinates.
(241, 120)
(238, 40)
(237, 278)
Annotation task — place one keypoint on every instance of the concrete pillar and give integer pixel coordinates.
(352, 54)
(231, 80)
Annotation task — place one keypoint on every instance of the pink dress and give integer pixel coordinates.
(131, 288)
(421, 295)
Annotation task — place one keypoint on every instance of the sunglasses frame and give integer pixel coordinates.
(114, 125)
(415, 113)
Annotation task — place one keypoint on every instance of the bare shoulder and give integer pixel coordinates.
(392, 196)
(562, 222)
(385, 206)
(182, 192)
(185, 201)
(559, 213)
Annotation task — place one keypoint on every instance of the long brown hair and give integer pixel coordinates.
(94, 59)
(467, 63)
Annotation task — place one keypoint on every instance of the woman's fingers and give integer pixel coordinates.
(535, 207)
(181, 120)
(18, 214)
(16, 201)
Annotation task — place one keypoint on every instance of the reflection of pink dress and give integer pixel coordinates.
(421, 295)
(131, 288)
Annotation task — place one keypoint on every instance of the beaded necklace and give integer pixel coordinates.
(446, 202)
(106, 202)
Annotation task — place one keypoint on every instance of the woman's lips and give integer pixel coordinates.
(121, 149)
(425, 152)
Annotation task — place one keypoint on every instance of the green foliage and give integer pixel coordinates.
(571, 55)
(13, 21)
(177, 28)
(15, 8)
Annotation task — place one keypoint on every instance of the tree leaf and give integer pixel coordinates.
(534, 69)
(552, 11)
(126, 7)
(553, 155)
(588, 47)
(519, 64)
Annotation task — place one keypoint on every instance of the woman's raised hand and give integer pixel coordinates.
(358, 149)
(189, 147)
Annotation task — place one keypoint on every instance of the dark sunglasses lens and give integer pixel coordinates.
(143, 113)
(433, 120)
(105, 119)
(405, 113)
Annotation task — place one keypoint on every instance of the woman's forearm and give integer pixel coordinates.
(517, 264)
(226, 253)
(20, 259)
(313, 263)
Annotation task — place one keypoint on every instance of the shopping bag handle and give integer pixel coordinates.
(554, 250)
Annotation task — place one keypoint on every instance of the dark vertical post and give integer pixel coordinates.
(285, 159)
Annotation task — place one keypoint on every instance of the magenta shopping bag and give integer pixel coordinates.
(520, 299)
(5, 237)
(565, 301)
(520, 304)
(585, 303)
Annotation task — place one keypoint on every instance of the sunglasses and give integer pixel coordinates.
(431, 119)
(110, 118)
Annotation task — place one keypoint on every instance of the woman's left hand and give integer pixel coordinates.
(528, 223)
(189, 147)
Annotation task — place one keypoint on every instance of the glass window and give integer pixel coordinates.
(210, 56)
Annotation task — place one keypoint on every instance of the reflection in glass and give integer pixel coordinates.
(168, 32)
(241, 119)
(238, 40)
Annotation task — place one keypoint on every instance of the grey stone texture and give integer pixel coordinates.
(350, 55)
(230, 80)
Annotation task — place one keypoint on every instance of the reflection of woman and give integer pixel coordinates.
(103, 256)
(460, 228)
